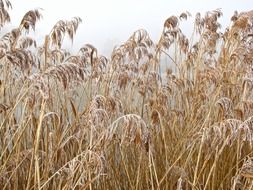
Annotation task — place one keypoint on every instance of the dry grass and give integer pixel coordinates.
(85, 121)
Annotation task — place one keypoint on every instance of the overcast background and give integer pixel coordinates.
(107, 23)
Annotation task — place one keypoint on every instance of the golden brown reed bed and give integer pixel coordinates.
(85, 121)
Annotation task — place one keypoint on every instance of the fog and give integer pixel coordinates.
(109, 23)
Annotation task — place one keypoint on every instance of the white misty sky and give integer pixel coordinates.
(107, 23)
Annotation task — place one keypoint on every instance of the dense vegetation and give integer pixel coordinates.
(85, 121)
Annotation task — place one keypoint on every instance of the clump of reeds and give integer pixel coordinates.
(130, 121)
